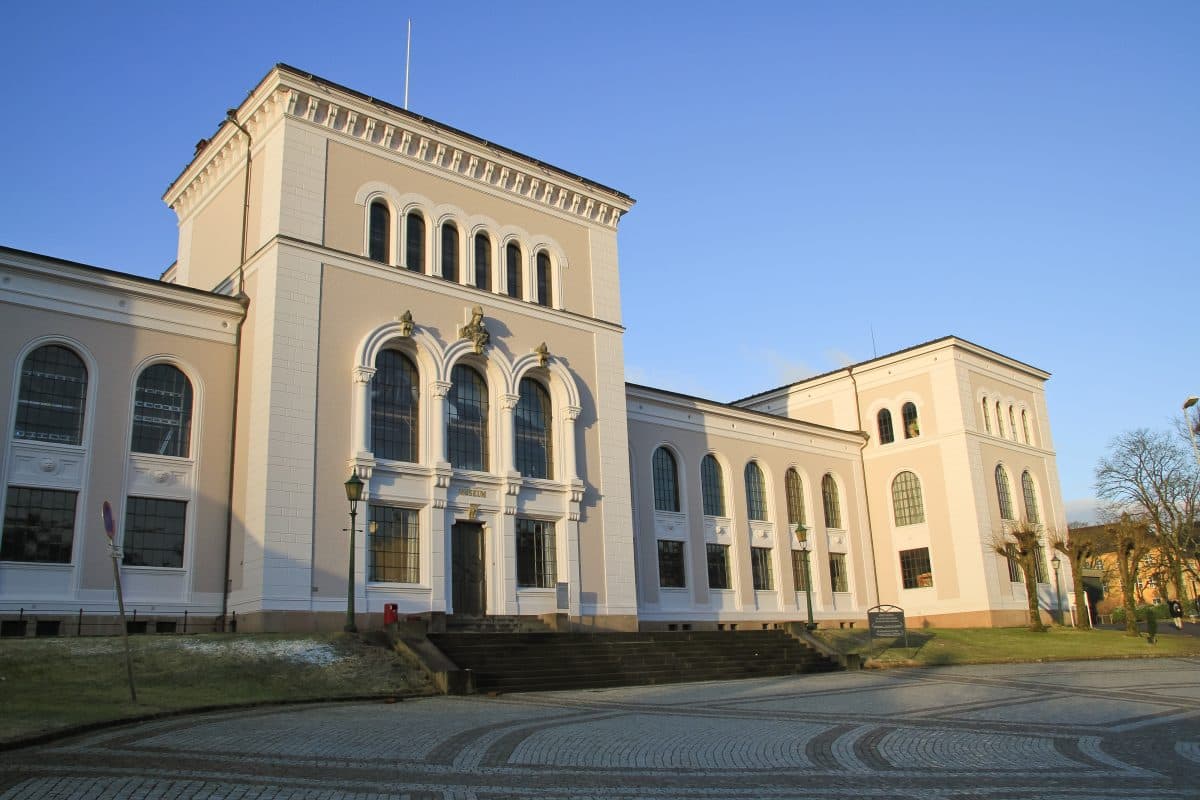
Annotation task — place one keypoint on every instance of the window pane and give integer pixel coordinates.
(1040, 562)
(1025, 426)
(670, 564)
(712, 483)
(886, 434)
(1031, 509)
(450, 252)
(756, 495)
(531, 424)
(535, 553)
(154, 532)
(906, 499)
(381, 222)
(39, 525)
(543, 278)
(162, 412)
(394, 407)
(799, 576)
(395, 547)
(760, 565)
(467, 429)
(912, 428)
(795, 497)
(483, 261)
(414, 254)
(999, 421)
(1014, 567)
(1003, 493)
(838, 579)
(718, 566)
(987, 418)
(833, 505)
(915, 571)
(512, 269)
(51, 399)
(1012, 424)
(666, 481)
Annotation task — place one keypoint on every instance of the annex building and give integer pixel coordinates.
(359, 289)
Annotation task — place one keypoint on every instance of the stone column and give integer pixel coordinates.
(361, 428)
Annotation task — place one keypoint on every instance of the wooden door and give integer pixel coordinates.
(468, 573)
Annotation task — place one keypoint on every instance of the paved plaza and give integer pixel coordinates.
(1102, 729)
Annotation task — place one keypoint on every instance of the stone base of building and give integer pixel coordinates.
(51, 624)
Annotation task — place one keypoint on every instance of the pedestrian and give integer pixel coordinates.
(1176, 613)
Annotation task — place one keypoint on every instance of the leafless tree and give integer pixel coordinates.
(1080, 550)
(1021, 541)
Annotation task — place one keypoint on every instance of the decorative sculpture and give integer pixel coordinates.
(475, 332)
(543, 354)
(406, 323)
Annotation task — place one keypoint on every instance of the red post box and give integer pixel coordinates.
(391, 613)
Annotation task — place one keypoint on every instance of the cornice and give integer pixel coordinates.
(403, 136)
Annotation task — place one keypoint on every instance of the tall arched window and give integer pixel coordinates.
(394, 407)
(1031, 508)
(512, 270)
(414, 246)
(712, 486)
(756, 492)
(795, 497)
(380, 229)
(666, 481)
(50, 402)
(1012, 423)
(450, 251)
(544, 285)
(999, 420)
(987, 417)
(1003, 493)
(483, 261)
(912, 428)
(886, 434)
(1025, 426)
(831, 502)
(531, 428)
(162, 412)
(467, 426)
(906, 499)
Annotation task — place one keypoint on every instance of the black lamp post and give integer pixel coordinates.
(1056, 562)
(802, 539)
(354, 488)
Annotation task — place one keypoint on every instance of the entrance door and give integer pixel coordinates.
(468, 573)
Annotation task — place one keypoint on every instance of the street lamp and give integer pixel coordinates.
(805, 546)
(354, 489)
(1056, 562)
(1191, 401)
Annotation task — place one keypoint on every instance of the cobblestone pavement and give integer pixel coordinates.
(1102, 729)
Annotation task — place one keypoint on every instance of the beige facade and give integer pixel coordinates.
(440, 316)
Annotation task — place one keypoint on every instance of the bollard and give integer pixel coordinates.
(79, 626)
(185, 620)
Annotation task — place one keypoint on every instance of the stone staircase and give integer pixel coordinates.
(522, 662)
(461, 623)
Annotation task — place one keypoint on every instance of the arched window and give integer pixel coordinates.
(1003, 493)
(1031, 509)
(912, 428)
(414, 235)
(712, 486)
(394, 407)
(831, 502)
(162, 412)
(450, 251)
(380, 228)
(483, 261)
(467, 426)
(50, 402)
(886, 434)
(666, 481)
(987, 417)
(795, 497)
(543, 278)
(906, 499)
(1025, 426)
(756, 492)
(999, 420)
(531, 427)
(1012, 424)
(512, 270)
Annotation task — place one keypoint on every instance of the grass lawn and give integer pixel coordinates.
(945, 646)
(49, 684)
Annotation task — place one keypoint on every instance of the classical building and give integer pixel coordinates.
(359, 289)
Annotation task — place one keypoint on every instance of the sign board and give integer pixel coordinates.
(887, 622)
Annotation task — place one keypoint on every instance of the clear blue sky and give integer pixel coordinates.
(1022, 174)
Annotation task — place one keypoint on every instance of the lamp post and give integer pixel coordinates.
(354, 488)
(805, 546)
(1191, 401)
(1056, 562)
